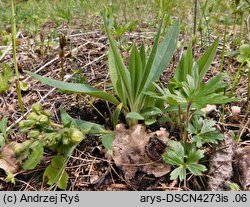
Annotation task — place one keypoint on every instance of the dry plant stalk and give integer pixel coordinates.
(62, 43)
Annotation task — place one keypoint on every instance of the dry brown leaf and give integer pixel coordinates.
(235, 113)
(209, 108)
(129, 151)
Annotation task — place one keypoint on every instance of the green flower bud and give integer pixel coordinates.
(37, 107)
(34, 133)
(51, 139)
(76, 136)
(43, 120)
(46, 113)
(21, 147)
(32, 116)
(26, 123)
(65, 140)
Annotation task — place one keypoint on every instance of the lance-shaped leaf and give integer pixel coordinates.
(160, 56)
(76, 88)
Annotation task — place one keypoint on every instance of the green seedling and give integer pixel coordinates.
(203, 131)
(5, 78)
(184, 157)
(244, 59)
(3, 131)
(118, 30)
(244, 56)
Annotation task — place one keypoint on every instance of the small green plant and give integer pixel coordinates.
(186, 95)
(118, 30)
(3, 131)
(5, 79)
(234, 187)
(44, 133)
(130, 84)
(184, 157)
(244, 59)
(203, 131)
(244, 56)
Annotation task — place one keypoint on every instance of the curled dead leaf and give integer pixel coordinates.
(132, 153)
(209, 108)
(236, 110)
(235, 114)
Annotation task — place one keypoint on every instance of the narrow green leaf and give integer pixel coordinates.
(151, 59)
(88, 127)
(163, 56)
(205, 61)
(112, 71)
(121, 68)
(132, 69)
(185, 66)
(138, 73)
(76, 88)
(143, 57)
(115, 79)
(116, 115)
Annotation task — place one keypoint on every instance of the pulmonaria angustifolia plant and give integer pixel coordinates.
(63, 138)
(186, 95)
(39, 126)
(131, 82)
(44, 133)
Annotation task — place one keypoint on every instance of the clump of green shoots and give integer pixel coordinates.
(132, 82)
(186, 95)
